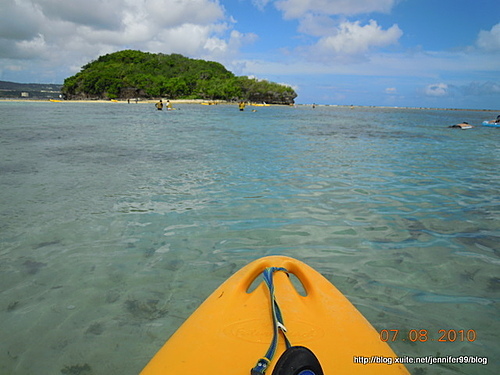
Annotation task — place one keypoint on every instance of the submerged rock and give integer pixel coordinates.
(77, 369)
(32, 267)
(148, 309)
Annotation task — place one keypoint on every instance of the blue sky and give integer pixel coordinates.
(419, 53)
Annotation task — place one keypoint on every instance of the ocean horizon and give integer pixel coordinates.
(223, 102)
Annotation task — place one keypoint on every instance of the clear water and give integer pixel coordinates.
(117, 221)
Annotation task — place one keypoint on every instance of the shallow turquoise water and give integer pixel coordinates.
(117, 221)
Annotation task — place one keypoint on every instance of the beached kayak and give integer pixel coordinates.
(491, 123)
(237, 326)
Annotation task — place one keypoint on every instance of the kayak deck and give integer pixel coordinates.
(233, 328)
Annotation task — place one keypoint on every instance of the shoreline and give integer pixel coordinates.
(223, 102)
(120, 101)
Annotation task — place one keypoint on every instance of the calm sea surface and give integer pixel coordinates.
(117, 221)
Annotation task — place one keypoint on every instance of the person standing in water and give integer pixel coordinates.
(241, 106)
(159, 105)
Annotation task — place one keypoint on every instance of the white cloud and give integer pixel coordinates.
(353, 40)
(186, 38)
(34, 46)
(261, 4)
(412, 65)
(171, 13)
(299, 8)
(18, 20)
(489, 40)
(480, 88)
(345, 41)
(79, 31)
(93, 13)
(14, 67)
(460, 89)
(317, 25)
(238, 39)
(391, 90)
(437, 89)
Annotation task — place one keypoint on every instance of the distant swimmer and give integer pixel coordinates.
(493, 122)
(159, 105)
(463, 125)
(241, 105)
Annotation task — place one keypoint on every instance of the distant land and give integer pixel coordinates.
(13, 90)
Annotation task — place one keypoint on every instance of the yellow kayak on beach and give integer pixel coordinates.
(238, 330)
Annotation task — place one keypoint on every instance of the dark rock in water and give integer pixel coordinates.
(112, 296)
(77, 369)
(494, 284)
(45, 244)
(12, 306)
(225, 270)
(32, 267)
(95, 328)
(149, 252)
(415, 227)
(145, 309)
(420, 371)
(469, 275)
(174, 265)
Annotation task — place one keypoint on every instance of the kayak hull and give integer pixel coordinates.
(491, 123)
(233, 328)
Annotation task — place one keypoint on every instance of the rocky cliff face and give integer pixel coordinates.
(273, 97)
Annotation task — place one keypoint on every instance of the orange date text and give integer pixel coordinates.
(424, 335)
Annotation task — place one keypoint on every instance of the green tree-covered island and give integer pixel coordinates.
(134, 74)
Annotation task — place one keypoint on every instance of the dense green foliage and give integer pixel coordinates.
(135, 74)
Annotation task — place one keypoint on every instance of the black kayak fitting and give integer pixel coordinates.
(298, 360)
